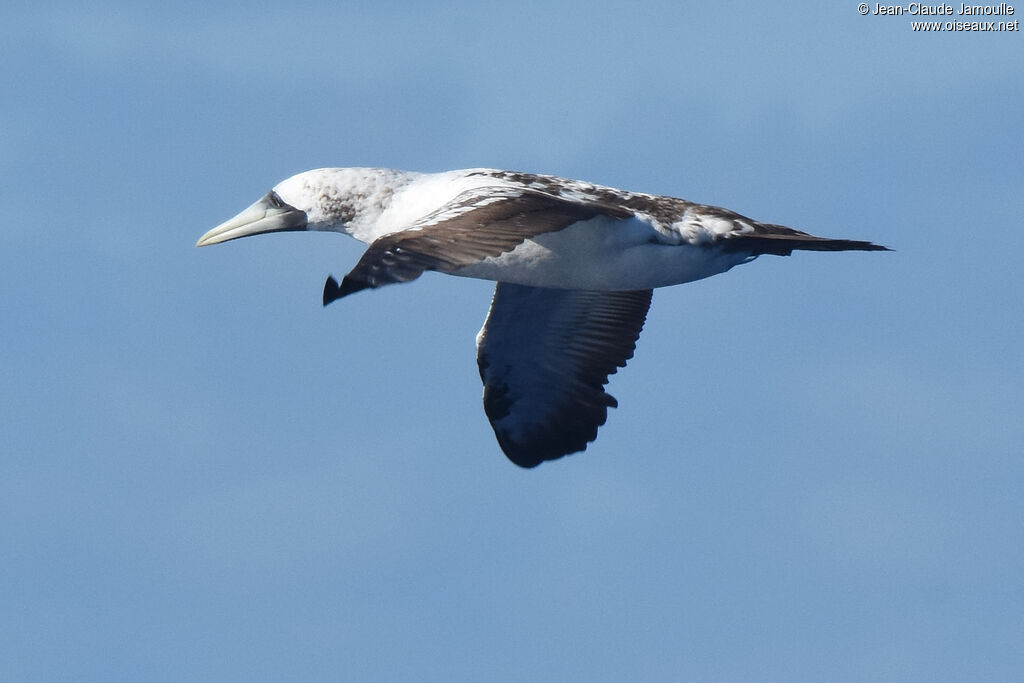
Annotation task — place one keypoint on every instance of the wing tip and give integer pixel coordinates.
(553, 441)
(333, 291)
(530, 457)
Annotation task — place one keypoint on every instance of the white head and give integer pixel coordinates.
(322, 199)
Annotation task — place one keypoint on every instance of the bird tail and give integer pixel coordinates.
(782, 241)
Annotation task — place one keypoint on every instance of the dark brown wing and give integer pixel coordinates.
(544, 357)
(479, 223)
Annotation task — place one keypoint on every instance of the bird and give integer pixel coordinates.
(575, 265)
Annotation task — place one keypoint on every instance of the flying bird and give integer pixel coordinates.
(575, 265)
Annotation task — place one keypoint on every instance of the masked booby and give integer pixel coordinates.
(575, 265)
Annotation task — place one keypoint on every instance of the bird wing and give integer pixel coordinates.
(484, 222)
(544, 357)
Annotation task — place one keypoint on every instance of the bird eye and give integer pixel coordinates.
(274, 200)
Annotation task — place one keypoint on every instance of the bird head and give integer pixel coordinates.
(337, 199)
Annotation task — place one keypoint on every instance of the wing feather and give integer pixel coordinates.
(544, 357)
(477, 224)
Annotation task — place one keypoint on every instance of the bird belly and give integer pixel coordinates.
(604, 254)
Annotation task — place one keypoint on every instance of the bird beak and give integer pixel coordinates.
(269, 214)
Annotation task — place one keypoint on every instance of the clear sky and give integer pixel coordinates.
(816, 470)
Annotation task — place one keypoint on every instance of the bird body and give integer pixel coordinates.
(575, 264)
(602, 253)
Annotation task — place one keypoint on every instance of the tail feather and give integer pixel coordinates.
(783, 241)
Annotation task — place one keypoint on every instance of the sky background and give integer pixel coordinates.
(816, 470)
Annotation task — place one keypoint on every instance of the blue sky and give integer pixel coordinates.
(815, 472)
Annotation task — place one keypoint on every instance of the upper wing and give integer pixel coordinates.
(544, 358)
(478, 223)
